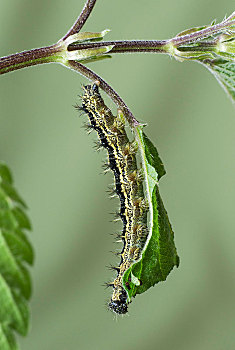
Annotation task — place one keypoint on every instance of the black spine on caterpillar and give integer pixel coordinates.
(128, 187)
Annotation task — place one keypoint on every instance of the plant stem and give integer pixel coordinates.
(51, 53)
(29, 58)
(200, 34)
(59, 52)
(125, 46)
(79, 23)
(88, 73)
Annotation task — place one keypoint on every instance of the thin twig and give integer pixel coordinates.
(206, 32)
(40, 55)
(122, 46)
(88, 73)
(28, 58)
(81, 20)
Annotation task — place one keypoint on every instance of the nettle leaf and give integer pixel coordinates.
(159, 255)
(224, 72)
(7, 340)
(15, 251)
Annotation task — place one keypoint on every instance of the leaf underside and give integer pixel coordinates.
(224, 72)
(159, 256)
(15, 253)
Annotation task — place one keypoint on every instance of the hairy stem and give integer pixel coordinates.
(125, 46)
(29, 58)
(44, 54)
(81, 20)
(88, 73)
(209, 31)
(49, 54)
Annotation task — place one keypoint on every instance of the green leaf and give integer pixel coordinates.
(12, 270)
(224, 72)
(15, 251)
(5, 174)
(22, 219)
(153, 157)
(13, 310)
(19, 245)
(12, 193)
(7, 339)
(159, 255)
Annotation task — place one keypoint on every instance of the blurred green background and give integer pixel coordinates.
(192, 123)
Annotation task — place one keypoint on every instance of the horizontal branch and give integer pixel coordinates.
(203, 33)
(179, 47)
(125, 46)
(28, 58)
(53, 53)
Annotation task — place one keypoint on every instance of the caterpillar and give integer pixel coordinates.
(128, 186)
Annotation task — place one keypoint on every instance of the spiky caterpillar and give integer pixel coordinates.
(128, 186)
